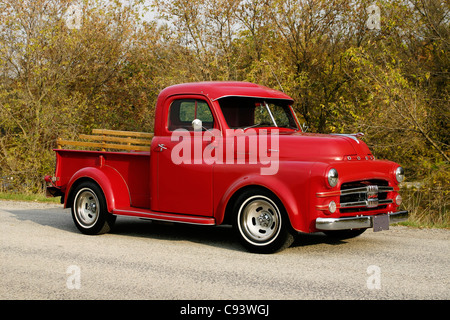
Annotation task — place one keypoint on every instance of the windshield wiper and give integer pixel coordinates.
(257, 125)
(274, 123)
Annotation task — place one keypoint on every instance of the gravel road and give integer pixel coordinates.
(43, 256)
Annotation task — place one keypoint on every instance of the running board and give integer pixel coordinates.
(162, 216)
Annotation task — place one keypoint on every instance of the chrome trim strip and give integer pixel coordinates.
(359, 204)
(256, 97)
(366, 203)
(353, 136)
(200, 220)
(353, 191)
(360, 222)
(270, 113)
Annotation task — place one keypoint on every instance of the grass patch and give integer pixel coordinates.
(420, 224)
(28, 197)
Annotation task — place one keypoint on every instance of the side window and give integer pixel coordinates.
(183, 111)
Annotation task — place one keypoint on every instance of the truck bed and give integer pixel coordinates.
(134, 167)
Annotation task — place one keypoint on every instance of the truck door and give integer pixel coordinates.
(184, 180)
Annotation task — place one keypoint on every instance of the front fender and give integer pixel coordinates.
(109, 180)
(279, 187)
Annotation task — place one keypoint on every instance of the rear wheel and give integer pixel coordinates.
(261, 222)
(89, 210)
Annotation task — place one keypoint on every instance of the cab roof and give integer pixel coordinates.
(215, 90)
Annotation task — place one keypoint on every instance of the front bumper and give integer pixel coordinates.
(378, 222)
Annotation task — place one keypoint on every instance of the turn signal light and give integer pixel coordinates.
(398, 200)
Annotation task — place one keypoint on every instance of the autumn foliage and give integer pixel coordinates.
(381, 68)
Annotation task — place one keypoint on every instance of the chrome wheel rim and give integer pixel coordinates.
(259, 220)
(86, 207)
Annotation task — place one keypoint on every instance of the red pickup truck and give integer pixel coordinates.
(233, 153)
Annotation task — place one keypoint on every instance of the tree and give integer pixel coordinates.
(56, 79)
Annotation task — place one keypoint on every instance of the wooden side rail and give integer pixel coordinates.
(111, 139)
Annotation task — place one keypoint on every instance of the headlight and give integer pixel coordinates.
(400, 174)
(332, 177)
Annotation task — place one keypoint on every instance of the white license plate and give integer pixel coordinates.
(380, 222)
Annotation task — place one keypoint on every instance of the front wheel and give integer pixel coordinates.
(261, 222)
(89, 210)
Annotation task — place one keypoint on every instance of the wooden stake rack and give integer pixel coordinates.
(111, 139)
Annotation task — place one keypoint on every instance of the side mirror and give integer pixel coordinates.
(197, 124)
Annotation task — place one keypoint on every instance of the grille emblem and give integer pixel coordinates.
(372, 196)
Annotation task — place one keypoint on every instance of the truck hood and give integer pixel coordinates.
(321, 147)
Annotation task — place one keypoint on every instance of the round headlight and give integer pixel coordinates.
(400, 174)
(332, 177)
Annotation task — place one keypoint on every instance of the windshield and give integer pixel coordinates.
(244, 113)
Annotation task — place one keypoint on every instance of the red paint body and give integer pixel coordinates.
(149, 184)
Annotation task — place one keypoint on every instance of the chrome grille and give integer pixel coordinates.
(364, 196)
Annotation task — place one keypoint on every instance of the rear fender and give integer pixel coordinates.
(109, 180)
